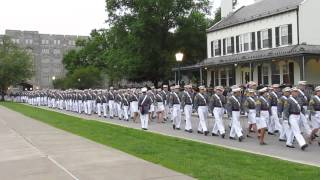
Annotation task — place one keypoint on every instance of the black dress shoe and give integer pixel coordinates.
(189, 131)
(111, 117)
(178, 129)
(316, 135)
(270, 133)
(319, 143)
(304, 147)
(223, 135)
(232, 138)
(174, 127)
(248, 136)
(200, 132)
(282, 140)
(263, 143)
(276, 131)
(290, 146)
(206, 133)
(240, 138)
(213, 134)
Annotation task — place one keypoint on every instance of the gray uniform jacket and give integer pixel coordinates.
(200, 100)
(144, 104)
(187, 98)
(291, 107)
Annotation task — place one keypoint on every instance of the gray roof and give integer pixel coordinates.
(258, 10)
(281, 52)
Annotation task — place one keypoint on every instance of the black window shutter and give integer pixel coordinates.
(270, 37)
(219, 44)
(290, 34)
(224, 47)
(237, 44)
(253, 41)
(277, 37)
(212, 55)
(232, 44)
(259, 40)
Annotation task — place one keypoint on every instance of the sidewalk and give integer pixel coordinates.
(33, 150)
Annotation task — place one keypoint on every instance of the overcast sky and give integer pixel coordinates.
(73, 17)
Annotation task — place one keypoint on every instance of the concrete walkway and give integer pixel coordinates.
(33, 150)
(274, 148)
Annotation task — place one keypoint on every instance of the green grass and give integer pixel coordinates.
(195, 159)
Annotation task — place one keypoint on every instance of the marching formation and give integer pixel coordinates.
(288, 113)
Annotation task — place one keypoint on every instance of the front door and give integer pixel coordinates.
(245, 76)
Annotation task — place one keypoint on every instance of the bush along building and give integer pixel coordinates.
(269, 42)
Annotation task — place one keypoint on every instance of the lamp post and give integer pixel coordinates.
(53, 79)
(179, 57)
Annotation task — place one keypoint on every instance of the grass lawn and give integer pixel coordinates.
(195, 159)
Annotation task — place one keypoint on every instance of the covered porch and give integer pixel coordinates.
(284, 65)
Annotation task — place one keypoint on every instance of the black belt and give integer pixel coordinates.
(217, 106)
(264, 109)
(235, 110)
(175, 103)
(295, 113)
(188, 104)
(252, 108)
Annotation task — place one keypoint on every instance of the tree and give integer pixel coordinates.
(15, 65)
(81, 78)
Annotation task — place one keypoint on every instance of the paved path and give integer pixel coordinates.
(274, 148)
(33, 150)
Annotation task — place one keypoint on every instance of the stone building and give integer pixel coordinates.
(47, 52)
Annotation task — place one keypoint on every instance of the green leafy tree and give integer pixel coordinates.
(15, 65)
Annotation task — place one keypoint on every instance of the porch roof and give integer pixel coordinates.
(280, 52)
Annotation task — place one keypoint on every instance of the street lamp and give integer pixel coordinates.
(53, 78)
(79, 79)
(179, 57)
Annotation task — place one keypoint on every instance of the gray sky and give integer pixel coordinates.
(76, 17)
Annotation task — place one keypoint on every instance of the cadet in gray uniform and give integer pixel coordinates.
(292, 112)
(314, 107)
(201, 102)
(274, 125)
(175, 104)
(303, 100)
(234, 107)
(186, 105)
(263, 113)
(286, 130)
(144, 104)
(217, 107)
(250, 108)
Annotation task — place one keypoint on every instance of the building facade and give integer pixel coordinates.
(47, 52)
(270, 42)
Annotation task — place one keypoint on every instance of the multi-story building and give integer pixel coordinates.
(47, 53)
(270, 42)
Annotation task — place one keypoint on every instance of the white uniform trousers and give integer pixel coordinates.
(263, 119)
(218, 124)
(126, 112)
(252, 116)
(294, 124)
(104, 107)
(80, 105)
(304, 122)
(236, 129)
(99, 108)
(203, 115)
(176, 115)
(144, 120)
(119, 109)
(316, 120)
(111, 108)
(274, 123)
(188, 114)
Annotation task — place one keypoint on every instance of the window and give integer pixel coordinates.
(45, 51)
(286, 79)
(223, 77)
(275, 71)
(29, 41)
(216, 76)
(265, 39)
(216, 47)
(229, 46)
(72, 43)
(231, 77)
(16, 41)
(44, 41)
(265, 71)
(246, 42)
(56, 51)
(284, 35)
(56, 42)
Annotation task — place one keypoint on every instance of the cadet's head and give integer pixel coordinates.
(276, 87)
(302, 85)
(286, 91)
(219, 90)
(202, 89)
(250, 92)
(144, 90)
(236, 91)
(177, 88)
(252, 85)
(295, 92)
(317, 90)
(263, 91)
(165, 87)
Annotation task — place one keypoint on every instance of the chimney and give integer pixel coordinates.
(226, 7)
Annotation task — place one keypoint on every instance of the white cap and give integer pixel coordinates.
(294, 89)
(286, 89)
(275, 85)
(219, 88)
(251, 90)
(302, 82)
(265, 89)
(201, 87)
(176, 87)
(144, 89)
(317, 88)
(236, 89)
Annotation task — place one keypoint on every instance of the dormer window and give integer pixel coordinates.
(284, 35)
(230, 45)
(265, 39)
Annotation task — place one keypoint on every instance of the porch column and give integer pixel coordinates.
(200, 75)
(209, 74)
(175, 77)
(301, 63)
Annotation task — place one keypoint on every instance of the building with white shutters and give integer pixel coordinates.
(270, 42)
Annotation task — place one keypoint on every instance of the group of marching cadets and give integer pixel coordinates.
(284, 112)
